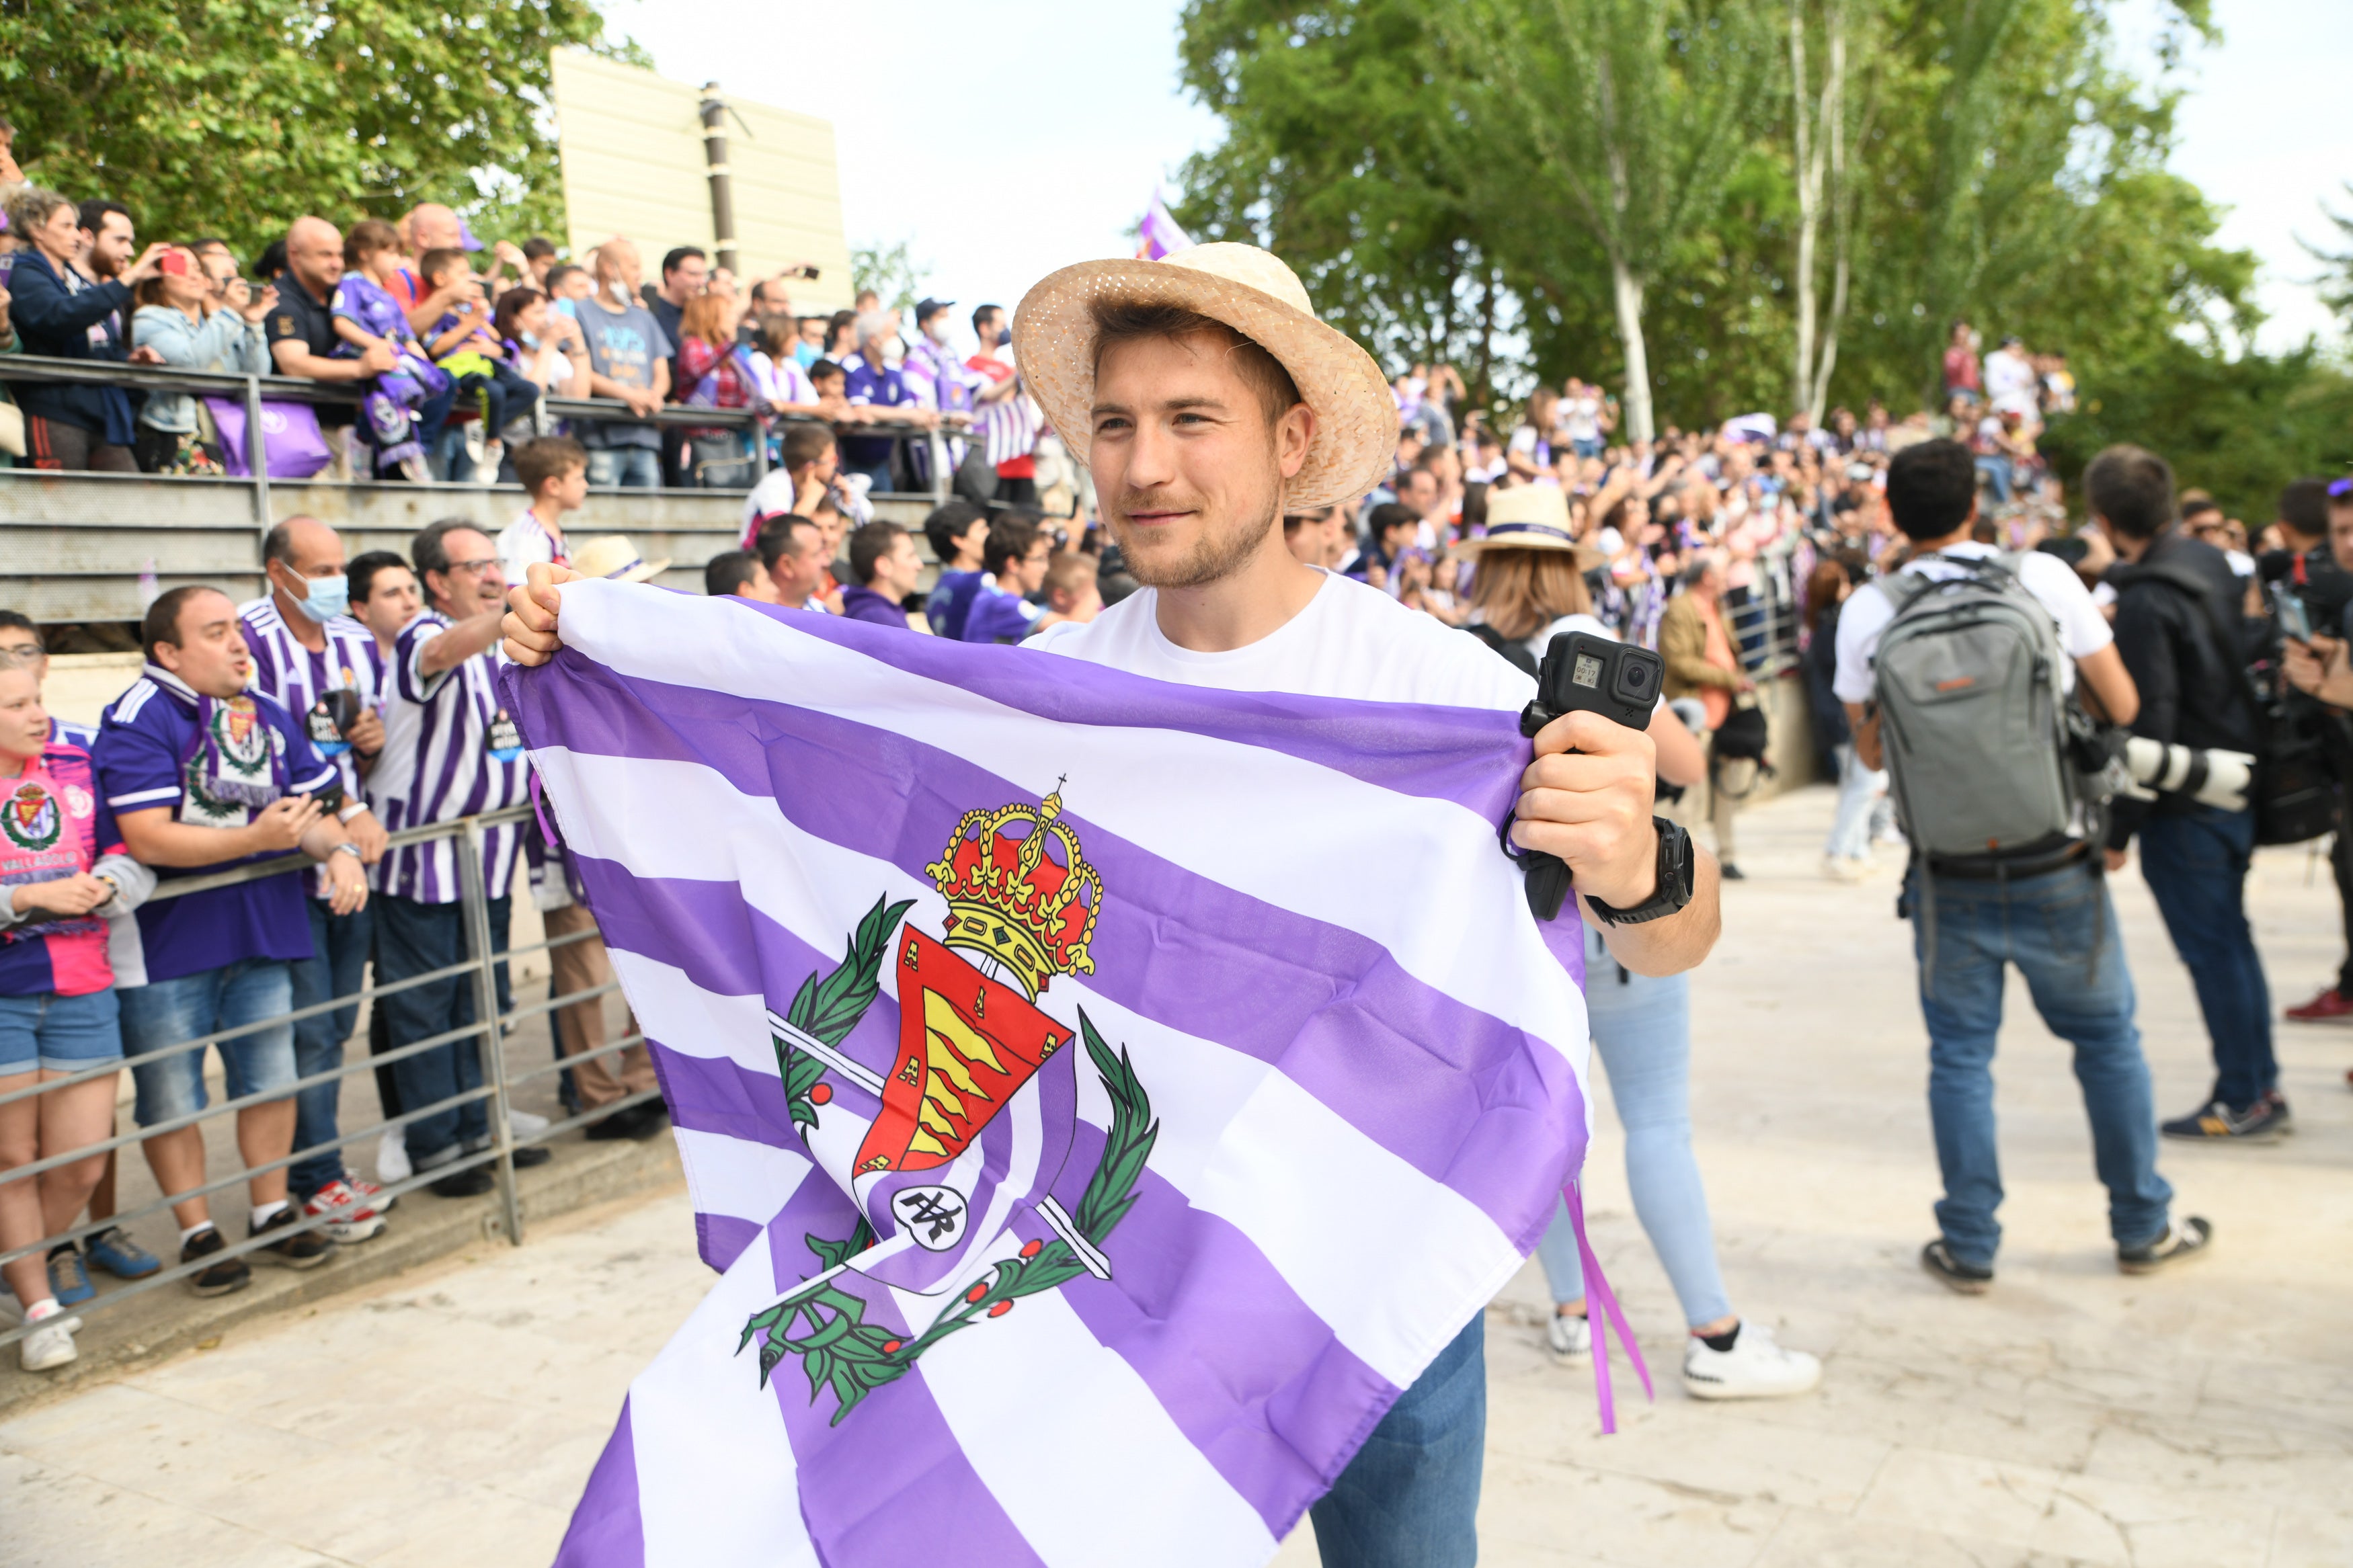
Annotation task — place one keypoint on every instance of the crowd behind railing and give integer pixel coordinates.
(424, 366)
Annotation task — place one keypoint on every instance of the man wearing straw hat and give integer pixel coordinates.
(1208, 400)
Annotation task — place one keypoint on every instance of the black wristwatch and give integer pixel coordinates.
(1677, 866)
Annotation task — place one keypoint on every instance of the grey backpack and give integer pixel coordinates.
(1974, 718)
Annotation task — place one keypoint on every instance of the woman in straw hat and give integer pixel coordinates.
(1528, 587)
(1207, 399)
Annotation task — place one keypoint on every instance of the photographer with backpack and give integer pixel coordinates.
(1958, 674)
(2183, 640)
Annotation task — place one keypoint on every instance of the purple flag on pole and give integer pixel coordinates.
(1094, 1138)
(1159, 234)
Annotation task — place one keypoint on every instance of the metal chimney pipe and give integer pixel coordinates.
(722, 198)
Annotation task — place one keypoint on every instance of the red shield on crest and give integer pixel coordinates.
(966, 1044)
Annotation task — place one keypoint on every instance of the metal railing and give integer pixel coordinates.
(253, 391)
(498, 1082)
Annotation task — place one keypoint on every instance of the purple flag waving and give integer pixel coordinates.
(1102, 1097)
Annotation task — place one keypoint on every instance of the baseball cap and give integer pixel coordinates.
(925, 310)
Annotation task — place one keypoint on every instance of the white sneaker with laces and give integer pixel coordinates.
(1569, 1338)
(522, 1125)
(50, 1344)
(1754, 1368)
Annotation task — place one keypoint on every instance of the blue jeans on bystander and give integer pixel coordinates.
(2060, 929)
(338, 962)
(1410, 1497)
(2196, 866)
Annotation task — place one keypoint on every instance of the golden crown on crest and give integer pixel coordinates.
(1019, 891)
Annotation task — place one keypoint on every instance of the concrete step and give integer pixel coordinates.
(423, 1229)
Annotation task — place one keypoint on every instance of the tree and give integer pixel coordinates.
(892, 272)
(1627, 116)
(1341, 155)
(2337, 282)
(235, 117)
(1822, 127)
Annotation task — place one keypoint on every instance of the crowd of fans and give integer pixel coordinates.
(454, 362)
(356, 699)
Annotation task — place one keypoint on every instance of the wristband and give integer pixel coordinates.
(350, 849)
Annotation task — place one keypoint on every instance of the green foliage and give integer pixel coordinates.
(2337, 282)
(1423, 163)
(2239, 427)
(892, 272)
(235, 117)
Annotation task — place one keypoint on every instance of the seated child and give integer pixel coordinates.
(466, 345)
(366, 314)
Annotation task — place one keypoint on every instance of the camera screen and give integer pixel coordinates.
(1587, 671)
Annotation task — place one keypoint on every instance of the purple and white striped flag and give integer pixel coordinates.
(1103, 1097)
(1159, 234)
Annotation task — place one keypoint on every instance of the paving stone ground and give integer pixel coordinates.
(2073, 1416)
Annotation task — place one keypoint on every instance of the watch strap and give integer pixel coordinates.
(1675, 875)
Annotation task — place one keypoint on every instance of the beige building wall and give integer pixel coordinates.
(632, 146)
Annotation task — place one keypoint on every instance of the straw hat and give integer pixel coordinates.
(613, 556)
(1254, 293)
(1529, 517)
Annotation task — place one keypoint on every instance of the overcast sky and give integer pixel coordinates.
(1005, 138)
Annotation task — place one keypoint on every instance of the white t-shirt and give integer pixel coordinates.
(2083, 630)
(2010, 381)
(524, 542)
(1351, 641)
(1581, 418)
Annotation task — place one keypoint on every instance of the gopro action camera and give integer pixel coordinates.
(1582, 672)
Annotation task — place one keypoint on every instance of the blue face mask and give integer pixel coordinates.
(329, 597)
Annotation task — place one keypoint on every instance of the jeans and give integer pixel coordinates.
(2196, 866)
(631, 468)
(412, 939)
(1642, 1028)
(2060, 929)
(167, 1012)
(1410, 1497)
(1860, 789)
(1995, 471)
(59, 1033)
(878, 475)
(337, 965)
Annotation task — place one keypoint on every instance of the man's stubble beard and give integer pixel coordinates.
(1214, 556)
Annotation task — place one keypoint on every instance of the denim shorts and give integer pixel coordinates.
(193, 1006)
(60, 1033)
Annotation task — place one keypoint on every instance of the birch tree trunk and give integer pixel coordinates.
(1809, 172)
(1843, 207)
(1626, 289)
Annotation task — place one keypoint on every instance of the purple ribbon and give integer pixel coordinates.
(1597, 1286)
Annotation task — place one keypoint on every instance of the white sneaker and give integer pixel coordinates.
(1843, 869)
(522, 1125)
(1754, 1368)
(50, 1344)
(1570, 1338)
(392, 1165)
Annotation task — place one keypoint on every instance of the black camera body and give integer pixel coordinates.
(1583, 673)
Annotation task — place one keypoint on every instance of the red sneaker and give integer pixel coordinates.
(350, 1223)
(2329, 1006)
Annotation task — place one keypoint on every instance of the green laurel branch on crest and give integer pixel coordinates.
(829, 1008)
(844, 1353)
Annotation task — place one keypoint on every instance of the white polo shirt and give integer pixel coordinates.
(2083, 630)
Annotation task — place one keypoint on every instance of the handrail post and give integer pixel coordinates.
(759, 448)
(940, 476)
(477, 896)
(257, 453)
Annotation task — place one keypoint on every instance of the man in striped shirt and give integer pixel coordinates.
(1006, 419)
(450, 751)
(323, 667)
